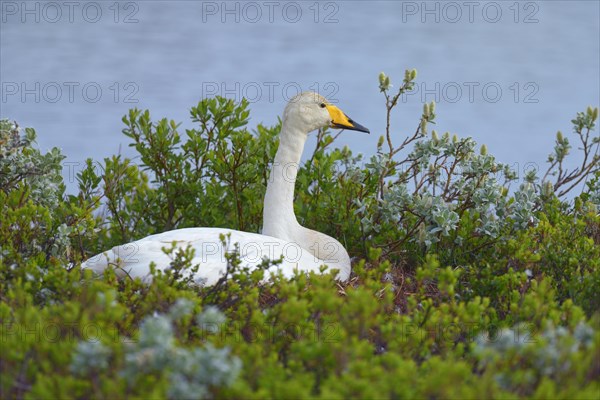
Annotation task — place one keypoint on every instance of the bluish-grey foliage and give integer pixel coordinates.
(90, 357)
(190, 372)
(21, 162)
(548, 353)
(211, 319)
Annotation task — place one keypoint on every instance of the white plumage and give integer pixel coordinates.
(134, 258)
(302, 249)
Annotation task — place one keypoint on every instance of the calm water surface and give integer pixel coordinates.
(508, 74)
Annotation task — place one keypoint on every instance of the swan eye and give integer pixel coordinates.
(322, 105)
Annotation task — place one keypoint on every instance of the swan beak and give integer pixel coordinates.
(339, 120)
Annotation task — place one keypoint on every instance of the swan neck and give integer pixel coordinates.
(279, 219)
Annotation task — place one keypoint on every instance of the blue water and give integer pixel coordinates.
(510, 74)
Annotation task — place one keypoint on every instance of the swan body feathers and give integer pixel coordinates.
(282, 238)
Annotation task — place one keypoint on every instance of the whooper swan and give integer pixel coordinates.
(302, 249)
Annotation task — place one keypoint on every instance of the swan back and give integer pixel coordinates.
(134, 259)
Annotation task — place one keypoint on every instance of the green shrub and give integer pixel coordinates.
(462, 286)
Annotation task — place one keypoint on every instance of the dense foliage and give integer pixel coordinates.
(463, 286)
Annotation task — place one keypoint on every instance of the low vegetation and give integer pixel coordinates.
(469, 281)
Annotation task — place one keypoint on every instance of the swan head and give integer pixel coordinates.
(310, 111)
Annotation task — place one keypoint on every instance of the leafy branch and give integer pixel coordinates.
(583, 125)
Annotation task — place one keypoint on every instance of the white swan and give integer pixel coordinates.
(302, 249)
